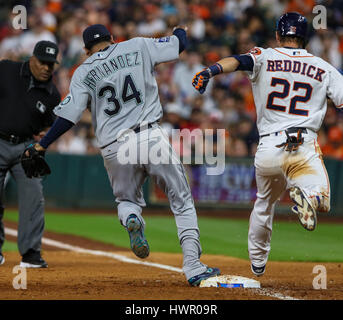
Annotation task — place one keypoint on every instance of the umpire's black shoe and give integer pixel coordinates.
(33, 259)
(258, 271)
(2, 259)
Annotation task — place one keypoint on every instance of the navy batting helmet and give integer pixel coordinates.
(292, 24)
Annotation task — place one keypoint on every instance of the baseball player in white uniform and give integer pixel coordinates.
(117, 82)
(290, 88)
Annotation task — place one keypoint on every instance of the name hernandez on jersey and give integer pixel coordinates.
(290, 88)
(98, 72)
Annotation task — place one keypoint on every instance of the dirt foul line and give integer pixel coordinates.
(65, 246)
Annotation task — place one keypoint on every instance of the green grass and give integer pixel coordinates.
(9, 246)
(290, 242)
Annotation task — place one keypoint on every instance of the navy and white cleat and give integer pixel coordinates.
(306, 214)
(138, 243)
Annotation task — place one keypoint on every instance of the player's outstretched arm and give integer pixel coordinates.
(201, 79)
(226, 65)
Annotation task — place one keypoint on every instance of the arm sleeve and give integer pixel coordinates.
(59, 127)
(73, 105)
(257, 55)
(161, 49)
(335, 87)
(246, 62)
(182, 36)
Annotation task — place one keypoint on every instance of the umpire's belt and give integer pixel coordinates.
(13, 139)
(289, 130)
(136, 130)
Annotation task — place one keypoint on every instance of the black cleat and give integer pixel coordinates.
(33, 259)
(258, 271)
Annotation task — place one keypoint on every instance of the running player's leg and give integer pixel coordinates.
(127, 181)
(309, 183)
(269, 190)
(171, 178)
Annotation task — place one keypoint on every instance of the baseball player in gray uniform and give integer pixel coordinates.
(118, 84)
(290, 88)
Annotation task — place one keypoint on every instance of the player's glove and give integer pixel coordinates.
(201, 79)
(33, 162)
(293, 142)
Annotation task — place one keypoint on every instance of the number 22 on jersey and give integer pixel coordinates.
(286, 88)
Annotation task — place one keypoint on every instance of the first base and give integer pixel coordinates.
(226, 281)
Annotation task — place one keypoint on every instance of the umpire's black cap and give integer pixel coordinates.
(94, 34)
(46, 51)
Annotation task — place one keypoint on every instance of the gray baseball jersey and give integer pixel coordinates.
(120, 86)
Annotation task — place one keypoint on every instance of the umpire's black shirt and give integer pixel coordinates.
(25, 104)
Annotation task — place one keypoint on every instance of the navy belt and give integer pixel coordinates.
(289, 130)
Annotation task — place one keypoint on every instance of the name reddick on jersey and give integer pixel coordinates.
(295, 66)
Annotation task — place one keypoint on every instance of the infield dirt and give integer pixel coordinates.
(76, 276)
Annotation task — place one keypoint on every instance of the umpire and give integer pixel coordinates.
(27, 98)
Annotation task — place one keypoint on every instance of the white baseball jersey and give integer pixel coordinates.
(120, 86)
(290, 88)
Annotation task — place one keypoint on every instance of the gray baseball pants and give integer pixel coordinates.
(30, 198)
(149, 153)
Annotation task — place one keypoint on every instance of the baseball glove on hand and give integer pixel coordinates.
(200, 80)
(292, 143)
(33, 162)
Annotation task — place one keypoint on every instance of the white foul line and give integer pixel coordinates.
(61, 245)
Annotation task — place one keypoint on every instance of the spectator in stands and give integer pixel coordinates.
(183, 75)
(216, 28)
(334, 146)
(72, 143)
(153, 26)
(37, 31)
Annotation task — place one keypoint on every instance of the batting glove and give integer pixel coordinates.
(201, 79)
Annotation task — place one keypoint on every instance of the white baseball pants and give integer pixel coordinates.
(276, 171)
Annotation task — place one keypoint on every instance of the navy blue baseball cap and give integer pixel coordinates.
(94, 34)
(292, 24)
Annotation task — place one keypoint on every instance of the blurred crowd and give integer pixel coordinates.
(216, 29)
